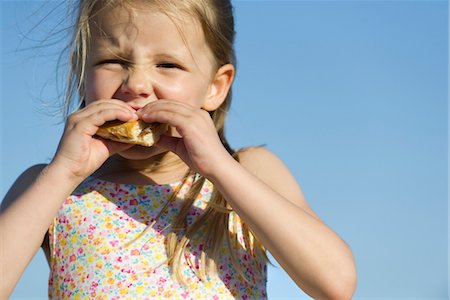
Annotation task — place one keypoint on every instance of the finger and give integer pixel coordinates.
(89, 124)
(100, 105)
(169, 113)
(165, 105)
(100, 117)
(103, 104)
(168, 143)
(115, 102)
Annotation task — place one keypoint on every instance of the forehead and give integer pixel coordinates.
(140, 21)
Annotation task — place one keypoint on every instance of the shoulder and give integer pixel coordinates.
(257, 159)
(264, 164)
(270, 169)
(21, 184)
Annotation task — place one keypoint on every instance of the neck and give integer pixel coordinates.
(162, 168)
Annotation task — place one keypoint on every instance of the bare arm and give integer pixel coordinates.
(36, 196)
(268, 199)
(26, 214)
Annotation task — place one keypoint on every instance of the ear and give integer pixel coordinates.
(219, 87)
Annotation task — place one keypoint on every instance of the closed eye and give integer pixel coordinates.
(113, 61)
(169, 66)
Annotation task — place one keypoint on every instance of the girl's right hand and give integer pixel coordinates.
(79, 152)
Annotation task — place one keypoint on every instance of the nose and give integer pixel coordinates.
(137, 84)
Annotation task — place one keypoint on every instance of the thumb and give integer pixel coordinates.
(114, 147)
(169, 143)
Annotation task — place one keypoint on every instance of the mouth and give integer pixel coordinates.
(136, 108)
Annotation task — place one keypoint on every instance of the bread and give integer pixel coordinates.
(134, 132)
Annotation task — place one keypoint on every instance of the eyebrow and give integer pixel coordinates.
(110, 45)
(112, 40)
(114, 50)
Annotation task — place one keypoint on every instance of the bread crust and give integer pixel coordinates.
(134, 132)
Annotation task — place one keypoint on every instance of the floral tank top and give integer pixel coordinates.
(89, 259)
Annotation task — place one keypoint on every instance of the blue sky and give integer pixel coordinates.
(351, 95)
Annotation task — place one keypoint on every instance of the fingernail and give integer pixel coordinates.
(133, 115)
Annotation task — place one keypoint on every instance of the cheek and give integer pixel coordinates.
(101, 85)
(187, 91)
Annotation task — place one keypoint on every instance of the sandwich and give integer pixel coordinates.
(134, 132)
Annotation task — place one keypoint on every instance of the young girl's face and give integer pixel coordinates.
(139, 56)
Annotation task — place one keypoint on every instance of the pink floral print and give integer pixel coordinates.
(89, 259)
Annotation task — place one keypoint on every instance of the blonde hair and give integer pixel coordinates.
(217, 22)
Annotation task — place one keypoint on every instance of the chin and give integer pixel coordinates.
(141, 152)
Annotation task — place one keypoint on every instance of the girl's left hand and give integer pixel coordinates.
(195, 139)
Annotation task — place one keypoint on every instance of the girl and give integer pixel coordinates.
(188, 218)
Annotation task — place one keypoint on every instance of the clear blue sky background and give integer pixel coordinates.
(352, 95)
